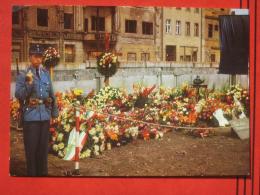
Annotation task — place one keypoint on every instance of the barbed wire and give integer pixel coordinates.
(144, 122)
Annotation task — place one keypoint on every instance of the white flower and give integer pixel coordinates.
(60, 154)
(160, 134)
(92, 131)
(95, 138)
(60, 137)
(101, 136)
(96, 147)
(66, 127)
(61, 146)
(55, 147)
(102, 147)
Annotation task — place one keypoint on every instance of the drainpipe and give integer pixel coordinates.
(97, 28)
(162, 27)
(154, 32)
(201, 16)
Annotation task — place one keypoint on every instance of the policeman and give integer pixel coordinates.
(34, 87)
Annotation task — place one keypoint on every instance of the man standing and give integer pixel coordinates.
(34, 87)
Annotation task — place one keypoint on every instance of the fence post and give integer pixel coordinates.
(159, 77)
(98, 82)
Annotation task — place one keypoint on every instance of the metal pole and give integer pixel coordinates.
(17, 67)
(201, 34)
(97, 28)
(77, 148)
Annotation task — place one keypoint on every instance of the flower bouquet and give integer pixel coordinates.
(107, 65)
(14, 111)
(142, 95)
(51, 57)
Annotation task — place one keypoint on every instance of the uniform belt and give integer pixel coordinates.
(35, 102)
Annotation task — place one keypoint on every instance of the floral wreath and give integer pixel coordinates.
(51, 57)
(107, 64)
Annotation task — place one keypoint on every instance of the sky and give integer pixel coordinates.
(240, 11)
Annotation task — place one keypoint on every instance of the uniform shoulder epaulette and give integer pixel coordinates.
(23, 72)
(44, 69)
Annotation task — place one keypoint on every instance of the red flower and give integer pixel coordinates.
(52, 130)
(147, 91)
(145, 134)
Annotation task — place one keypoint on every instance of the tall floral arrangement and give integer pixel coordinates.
(51, 57)
(107, 65)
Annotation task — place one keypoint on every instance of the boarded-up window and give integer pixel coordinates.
(68, 21)
(197, 10)
(213, 58)
(131, 56)
(97, 23)
(86, 25)
(16, 17)
(145, 56)
(16, 52)
(210, 31)
(147, 28)
(196, 29)
(130, 26)
(216, 27)
(170, 53)
(42, 17)
(194, 56)
(69, 53)
(187, 58)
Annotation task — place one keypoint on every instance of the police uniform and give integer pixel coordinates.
(40, 106)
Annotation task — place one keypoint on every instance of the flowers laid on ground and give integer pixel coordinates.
(111, 117)
(108, 96)
(237, 96)
(141, 95)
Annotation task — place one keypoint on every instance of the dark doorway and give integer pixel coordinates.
(171, 53)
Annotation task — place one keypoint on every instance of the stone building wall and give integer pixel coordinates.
(135, 43)
(185, 44)
(211, 45)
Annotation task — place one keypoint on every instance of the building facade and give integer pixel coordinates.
(135, 34)
(56, 26)
(211, 35)
(138, 33)
(182, 37)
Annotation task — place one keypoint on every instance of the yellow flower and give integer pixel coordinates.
(114, 59)
(77, 92)
(61, 146)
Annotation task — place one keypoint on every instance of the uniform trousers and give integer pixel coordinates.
(36, 137)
